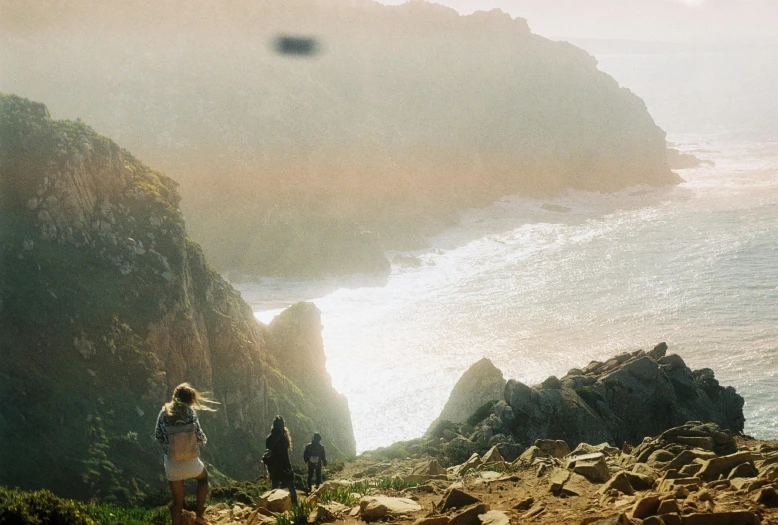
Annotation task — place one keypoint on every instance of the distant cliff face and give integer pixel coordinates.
(310, 165)
(106, 305)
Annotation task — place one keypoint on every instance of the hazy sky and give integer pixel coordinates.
(673, 20)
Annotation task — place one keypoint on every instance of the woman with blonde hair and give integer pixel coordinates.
(179, 432)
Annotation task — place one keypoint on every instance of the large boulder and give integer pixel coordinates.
(553, 413)
(553, 447)
(276, 500)
(470, 515)
(683, 440)
(721, 466)
(428, 470)
(380, 507)
(591, 466)
(455, 498)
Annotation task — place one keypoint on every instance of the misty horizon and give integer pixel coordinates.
(696, 22)
(394, 193)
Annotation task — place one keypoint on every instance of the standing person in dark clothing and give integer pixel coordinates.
(276, 458)
(315, 456)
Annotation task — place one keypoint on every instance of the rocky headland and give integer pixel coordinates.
(313, 166)
(106, 305)
(642, 467)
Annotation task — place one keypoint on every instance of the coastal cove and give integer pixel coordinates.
(538, 289)
(502, 277)
(560, 289)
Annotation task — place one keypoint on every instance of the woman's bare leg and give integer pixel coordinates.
(177, 488)
(202, 492)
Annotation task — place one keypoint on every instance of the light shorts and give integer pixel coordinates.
(179, 470)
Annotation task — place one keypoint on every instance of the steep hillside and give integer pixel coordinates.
(311, 165)
(106, 305)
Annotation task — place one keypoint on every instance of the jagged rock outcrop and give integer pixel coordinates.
(620, 401)
(480, 384)
(407, 115)
(679, 161)
(106, 305)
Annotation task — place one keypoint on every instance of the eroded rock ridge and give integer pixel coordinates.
(630, 396)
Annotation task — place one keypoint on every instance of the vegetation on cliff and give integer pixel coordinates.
(306, 167)
(106, 305)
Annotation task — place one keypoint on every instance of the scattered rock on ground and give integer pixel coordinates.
(379, 507)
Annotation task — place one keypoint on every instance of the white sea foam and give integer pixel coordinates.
(539, 291)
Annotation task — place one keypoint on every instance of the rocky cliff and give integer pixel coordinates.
(106, 305)
(480, 385)
(407, 115)
(628, 397)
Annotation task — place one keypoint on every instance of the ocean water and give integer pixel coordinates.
(540, 291)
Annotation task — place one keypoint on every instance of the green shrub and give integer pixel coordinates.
(247, 492)
(342, 495)
(360, 487)
(437, 429)
(590, 396)
(283, 519)
(393, 451)
(396, 484)
(334, 467)
(301, 511)
(298, 515)
(113, 515)
(481, 413)
(456, 452)
(40, 508)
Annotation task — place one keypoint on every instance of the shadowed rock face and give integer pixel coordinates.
(628, 397)
(107, 305)
(294, 340)
(622, 400)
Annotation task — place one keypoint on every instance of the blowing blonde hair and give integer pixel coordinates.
(186, 396)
